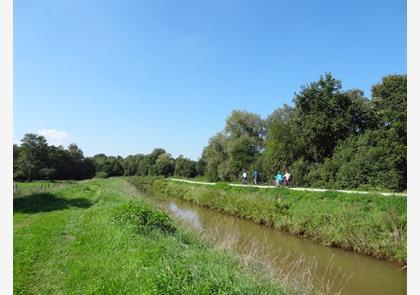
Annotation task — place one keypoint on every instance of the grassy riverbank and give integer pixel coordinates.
(370, 224)
(95, 237)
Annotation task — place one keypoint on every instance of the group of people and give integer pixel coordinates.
(279, 178)
(282, 179)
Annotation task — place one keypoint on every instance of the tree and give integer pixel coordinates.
(241, 123)
(76, 161)
(242, 153)
(145, 166)
(325, 116)
(370, 159)
(389, 99)
(102, 166)
(108, 166)
(17, 171)
(147, 163)
(201, 166)
(236, 148)
(165, 165)
(88, 168)
(214, 154)
(33, 156)
(131, 164)
(60, 160)
(35, 159)
(185, 167)
(115, 166)
(280, 143)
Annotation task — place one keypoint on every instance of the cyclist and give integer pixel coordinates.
(287, 178)
(279, 178)
(244, 177)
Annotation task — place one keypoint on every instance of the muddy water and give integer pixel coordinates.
(336, 269)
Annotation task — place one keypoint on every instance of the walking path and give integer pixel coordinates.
(294, 188)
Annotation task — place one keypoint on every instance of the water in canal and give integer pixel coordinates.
(336, 268)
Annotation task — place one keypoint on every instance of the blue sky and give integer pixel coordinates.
(124, 77)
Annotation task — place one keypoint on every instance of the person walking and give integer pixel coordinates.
(279, 178)
(255, 177)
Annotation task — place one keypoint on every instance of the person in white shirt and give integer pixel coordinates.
(244, 177)
(287, 177)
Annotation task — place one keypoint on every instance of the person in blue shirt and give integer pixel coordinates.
(255, 177)
(279, 178)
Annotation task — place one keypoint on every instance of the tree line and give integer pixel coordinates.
(328, 138)
(34, 159)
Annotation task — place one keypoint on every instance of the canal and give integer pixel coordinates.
(336, 270)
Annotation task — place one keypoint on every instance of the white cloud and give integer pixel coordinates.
(53, 136)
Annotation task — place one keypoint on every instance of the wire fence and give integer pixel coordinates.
(21, 189)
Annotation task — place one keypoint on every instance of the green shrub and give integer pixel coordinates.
(145, 218)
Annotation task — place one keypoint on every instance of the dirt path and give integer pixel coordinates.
(293, 188)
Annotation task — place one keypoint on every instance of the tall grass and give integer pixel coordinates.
(297, 274)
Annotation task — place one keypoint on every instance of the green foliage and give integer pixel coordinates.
(146, 218)
(185, 167)
(370, 159)
(325, 115)
(33, 156)
(214, 155)
(201, 167)
(165, 165)
(131, 164)
(280, 141)
(35, 159)
(376, 158)
(236, 148)
(108, 166)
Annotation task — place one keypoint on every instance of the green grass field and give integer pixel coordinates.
(371, 224)
(94, 237)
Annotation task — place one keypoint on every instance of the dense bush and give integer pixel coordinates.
(146, 218)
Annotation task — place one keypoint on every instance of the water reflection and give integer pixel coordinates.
(186, 214)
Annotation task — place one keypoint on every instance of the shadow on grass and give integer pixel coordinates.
(45, 202)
